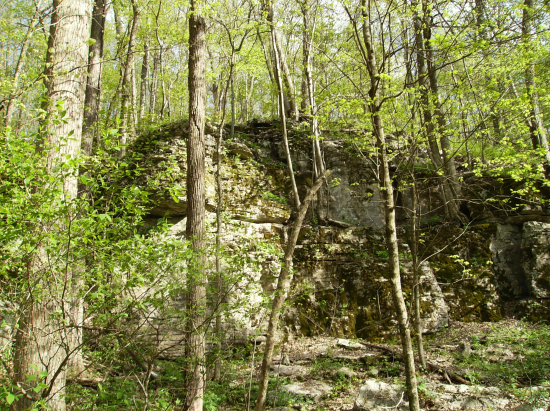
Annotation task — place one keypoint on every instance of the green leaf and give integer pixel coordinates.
(10, 398)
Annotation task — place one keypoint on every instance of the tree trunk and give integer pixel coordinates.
(266, 57)
(126, 125)
(318, 164)
(143, 75)
(389, 211)
(277, 75)
(283, 285)
(232, 81)
(219, 226)
(196, 207)
(154, 83)
(290, 90)
(536, 129)
(416, 280)
(435, 122)
(248, 98)
(90, 128)
(40, 345)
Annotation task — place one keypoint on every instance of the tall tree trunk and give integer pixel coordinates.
(290, 90)
(126, 124)
(195, 229)
(133, 106)
(283, 285)
(266, 57)
(389, 210)
(434, 121)
(277, 75)
(143, 75)
(249, 98)
(90, 127)
(219, 226)
(416, 277)
(537, 129)
(154, 84)
(424, 90)
(40, 345)
(232, 81)
(441, 123)
(318, 164)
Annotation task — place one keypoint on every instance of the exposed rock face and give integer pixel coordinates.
(341, 268)
(340, 287)
(507, 260)
(521, 256)
(473, 398)
(431, 295)
(535, 247)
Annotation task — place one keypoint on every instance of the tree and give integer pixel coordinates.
(374, 107)
(40, 346)
(92, 98)
(127, 80)
(283, 286)
(195, 229)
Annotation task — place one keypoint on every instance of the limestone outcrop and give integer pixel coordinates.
(340, 283)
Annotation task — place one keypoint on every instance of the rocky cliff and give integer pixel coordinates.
(497, 265)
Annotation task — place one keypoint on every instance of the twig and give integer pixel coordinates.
(395, 406)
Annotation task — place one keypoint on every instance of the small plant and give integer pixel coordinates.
(268, 195)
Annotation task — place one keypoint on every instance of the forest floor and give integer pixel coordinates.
(506, 366)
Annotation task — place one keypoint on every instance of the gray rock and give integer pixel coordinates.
(373, 372)
(349, 344)
(437, 317)
(289, 370)
(345, 372)
(507, 256)
(464, 349)
(313, 389)
(475, 403)
(535, 248)
(378, 396)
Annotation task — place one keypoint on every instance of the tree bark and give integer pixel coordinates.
(143, 75)
(90, 128)
(290, 90)
(283, 285)
(154, 84)
(389, 211)
(219, 225)
(434, 121)
(196, 207)
(277, 75)
(416, 279)
(126, 124)
(319, 167)
(39, 341)
(536, 129)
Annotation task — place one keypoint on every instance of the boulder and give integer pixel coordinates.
(289, 370)
(312, 389)
(379, 396)
(349, 344)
